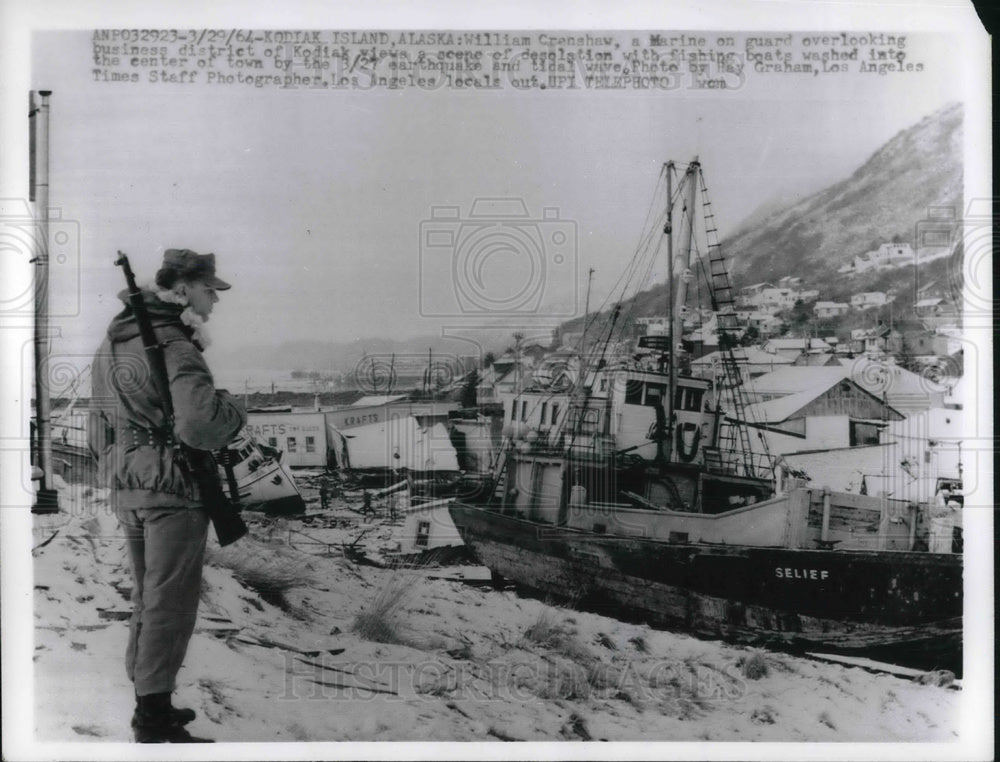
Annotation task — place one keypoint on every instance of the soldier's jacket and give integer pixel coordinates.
(127, 428)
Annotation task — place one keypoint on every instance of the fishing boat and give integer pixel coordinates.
(262, 481)
(655, 500)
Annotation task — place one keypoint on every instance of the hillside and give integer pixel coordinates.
(885, 197)
(880, 201)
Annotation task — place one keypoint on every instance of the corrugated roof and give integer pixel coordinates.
(751, 355)
(377, 399)
(782, 408)
(792, 379)
(879, 378)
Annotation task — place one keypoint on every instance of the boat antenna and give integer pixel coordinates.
(586, 312)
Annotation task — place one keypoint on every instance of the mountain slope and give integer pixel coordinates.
(885, 197)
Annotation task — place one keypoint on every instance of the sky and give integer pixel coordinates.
(317, 203)
(313, 201)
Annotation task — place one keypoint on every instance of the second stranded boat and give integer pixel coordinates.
(651, 503)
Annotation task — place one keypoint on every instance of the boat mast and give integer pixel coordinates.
(679, 276)
(666, 445)
(47, 500)
(683, 264)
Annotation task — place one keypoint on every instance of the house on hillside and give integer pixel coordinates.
(885, 257)
(832, 411)
(936, 312)
(872, 342)
(791, 347)
(750, 296)
(765, 323)
(830, 309)
(928, 343)
(867, 299)
(929, 307)
(533, 350)
(654, 325)
(777, 299)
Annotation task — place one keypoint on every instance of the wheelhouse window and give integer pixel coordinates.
(648, 394)
(688, 399)
(655, 394)
(585, 421)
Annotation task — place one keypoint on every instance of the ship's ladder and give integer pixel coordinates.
(734, 449)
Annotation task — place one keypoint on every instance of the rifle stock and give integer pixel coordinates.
(224, 514)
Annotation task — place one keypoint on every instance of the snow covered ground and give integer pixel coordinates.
(278, 655)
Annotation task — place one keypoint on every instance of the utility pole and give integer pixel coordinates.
(47, 499)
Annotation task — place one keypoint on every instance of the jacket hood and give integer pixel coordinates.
(124, 326)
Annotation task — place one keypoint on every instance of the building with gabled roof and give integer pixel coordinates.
(830, 309)
(834, 412)
(903, 390)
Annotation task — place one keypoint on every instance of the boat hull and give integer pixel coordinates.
(901, 607)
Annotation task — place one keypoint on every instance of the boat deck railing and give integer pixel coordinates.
(752, 465)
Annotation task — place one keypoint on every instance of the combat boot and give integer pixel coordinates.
(160, 703)
(156, 721)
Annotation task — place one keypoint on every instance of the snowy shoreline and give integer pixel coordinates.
(464, 663)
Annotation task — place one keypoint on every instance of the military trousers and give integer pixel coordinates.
(167, 550)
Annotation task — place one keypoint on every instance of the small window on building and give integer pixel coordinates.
(541, 418)
(310, 444)
(291, 444)
(862, 433)
(423, 534)
(513, 410)
(273, 442)
(555, 413)
(524, 410)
